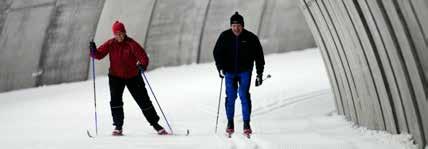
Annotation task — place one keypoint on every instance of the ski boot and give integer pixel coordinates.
(117, 132)
(247, 129)
(248, 132)
(162, 132)
(229, 132)
(159, 129)
(230, 129)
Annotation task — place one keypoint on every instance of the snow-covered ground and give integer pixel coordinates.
(294, 109)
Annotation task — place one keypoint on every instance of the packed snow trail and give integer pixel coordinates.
(292, 110)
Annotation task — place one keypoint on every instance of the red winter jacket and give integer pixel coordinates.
(123, 57)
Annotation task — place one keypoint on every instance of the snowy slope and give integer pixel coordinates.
(293, 109)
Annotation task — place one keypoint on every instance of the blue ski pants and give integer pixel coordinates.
(238, 83)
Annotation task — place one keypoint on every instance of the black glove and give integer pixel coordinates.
(259, 80)
(141, 68)
(92, 47)
(221, 73)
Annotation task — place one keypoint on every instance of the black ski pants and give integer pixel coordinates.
(137, 89)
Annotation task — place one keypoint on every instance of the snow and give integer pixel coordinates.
(294, 109)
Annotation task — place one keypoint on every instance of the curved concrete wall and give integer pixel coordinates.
(376, 53)
(45, 41)
(281, 27)
(184, 31)
(64, 53)
(4, 6)
(174, 32)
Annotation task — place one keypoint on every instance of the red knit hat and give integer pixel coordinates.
(118, 26)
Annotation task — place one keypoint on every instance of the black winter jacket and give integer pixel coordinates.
(237, 54)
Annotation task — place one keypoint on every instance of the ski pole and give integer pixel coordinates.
(151, 90)
(95, 95)
(218, 106)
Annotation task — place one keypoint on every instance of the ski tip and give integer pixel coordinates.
(187, 132)
(228, 135)
(247, 135)
(89, 134)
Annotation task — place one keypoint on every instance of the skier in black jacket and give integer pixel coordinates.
(235, 52)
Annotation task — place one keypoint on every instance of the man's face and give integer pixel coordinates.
(237, 29)
(119, 36)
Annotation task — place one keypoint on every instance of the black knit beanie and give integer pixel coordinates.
(236, 19)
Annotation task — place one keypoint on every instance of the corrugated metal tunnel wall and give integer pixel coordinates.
(376, 54)
(45, 41)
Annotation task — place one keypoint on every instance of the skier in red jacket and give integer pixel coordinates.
(124, 54)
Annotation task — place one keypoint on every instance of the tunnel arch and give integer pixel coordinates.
(387, 58)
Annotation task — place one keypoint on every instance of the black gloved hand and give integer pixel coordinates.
(92, 47)
(221, 73)
(259, 80)
(141, 68)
